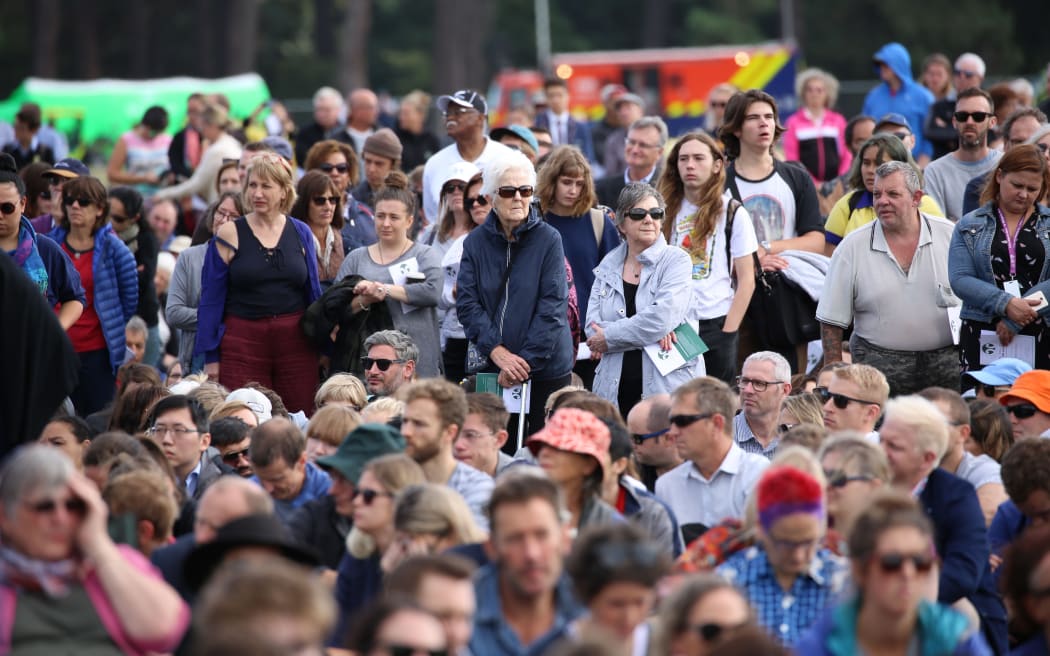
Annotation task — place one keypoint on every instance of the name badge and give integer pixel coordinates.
(1013, 288)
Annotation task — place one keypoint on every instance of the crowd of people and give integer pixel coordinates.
(553, 387)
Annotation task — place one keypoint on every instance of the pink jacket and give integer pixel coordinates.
(8, 598)
(800, 128)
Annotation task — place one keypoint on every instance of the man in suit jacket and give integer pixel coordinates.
(914, 436)
(643, 151)
(565, 130)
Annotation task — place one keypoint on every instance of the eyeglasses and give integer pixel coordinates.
(893, 562)
(684, 421)
(84, 202)
(841, 400)
(837, 478)
(232, 457)
(1022, 410)
(8, 208)
(783, 428)
(634, 143)
(73, 506)
(368, 496)
(978, 117)
(478, 200)
(640, 439)
(712, 631)
(453, 186)
(321, 201)
(509, 192)
(405, 650)
(382, 363)
(471, 436)
(966, 74)
(639, 213)
(791, 546)
(758, 385)
(223, 214)
(991, 390)
(177, 431)
(328, 168)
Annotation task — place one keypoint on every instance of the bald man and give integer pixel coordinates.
(654, 449)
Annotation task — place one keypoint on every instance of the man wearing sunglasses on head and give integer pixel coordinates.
(914, 436)
(390, 362)
(853, 399)
(1028, 404)
(946, 177)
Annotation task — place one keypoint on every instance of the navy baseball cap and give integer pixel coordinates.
(467, 98)
(893, 118)
(69, 167)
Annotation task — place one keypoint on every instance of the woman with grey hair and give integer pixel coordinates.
(637, 301)
(64, 585)
(511, 293)
(815, 135)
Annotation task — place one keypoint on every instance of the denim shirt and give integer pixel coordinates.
(492, 635)
(970, 265)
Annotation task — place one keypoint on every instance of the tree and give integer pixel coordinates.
(357, 25)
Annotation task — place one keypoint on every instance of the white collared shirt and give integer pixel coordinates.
(698, 500)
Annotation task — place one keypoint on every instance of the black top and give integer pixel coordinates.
(1030, 255)
(631, 370)
(266, 282)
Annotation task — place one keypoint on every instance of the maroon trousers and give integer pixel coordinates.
(274, 353)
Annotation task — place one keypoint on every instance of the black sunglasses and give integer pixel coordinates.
(232, 457)
(978, 117)
(683, 421)
(455, 185)
(368, 496)
(405, 650)
(990, 390)
(1043, 147)
(894, 562)
(8, 208)
(478, 200)
(84, 202)
(639, 214)
(321, 200)
(48, 506)
(45, 195)
(837, 478)
(1022, 410)
(328, 168)
(382, 363)
(509, 192)
(783, 428)
(901, 135)
(640, 439)
(712, 631)
(966, 74)
(115, 218)
(841, 400)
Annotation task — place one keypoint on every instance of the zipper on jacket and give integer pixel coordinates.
(506, 295)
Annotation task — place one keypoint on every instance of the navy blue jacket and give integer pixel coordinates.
(961, 541)
(527, 314)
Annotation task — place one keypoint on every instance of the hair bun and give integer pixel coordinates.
(396, 180)
(7, 163)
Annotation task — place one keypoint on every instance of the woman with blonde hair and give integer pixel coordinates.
(800, 409)
(260, 274)
(327, 429)
(214, 125)
(342, 389)
(430, 519)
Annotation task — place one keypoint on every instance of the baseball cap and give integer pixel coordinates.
(610, 91)
(255, 400)
(69, 167)
(1032, 386)
(519, 131)
(893, 118)
(462, 171)
(577, 431)
(464, 98)
(280, 146)
(1003, 371)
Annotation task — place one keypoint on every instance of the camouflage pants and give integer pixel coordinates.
(910, 371)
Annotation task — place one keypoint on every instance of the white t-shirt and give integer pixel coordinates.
(438, 164)
(712, 284)
(450, 325)
(771, 204)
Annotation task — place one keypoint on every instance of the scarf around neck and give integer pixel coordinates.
(27, 256)
(25, 573)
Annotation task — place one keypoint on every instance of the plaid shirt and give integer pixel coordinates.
(786, 615)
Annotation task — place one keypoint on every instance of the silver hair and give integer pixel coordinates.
(494, 173)
(911, 177)
(781, 367)
(402, 344)
(137, 324)
(327, 93)
(929, 427)
(972, 58)
(633, 194)
(831, 84)
(29, 469)
(1038, 134)
(651, 122)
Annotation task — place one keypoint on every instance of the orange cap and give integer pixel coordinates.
(1032, 386)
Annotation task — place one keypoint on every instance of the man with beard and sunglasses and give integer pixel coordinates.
(717, 476)
(946, 177)
(914, 437)
(390, 362)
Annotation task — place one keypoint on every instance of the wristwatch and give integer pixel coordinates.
(766, 245)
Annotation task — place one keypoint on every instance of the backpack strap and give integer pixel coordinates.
(854, 198)
(731, 207)
(598, 224)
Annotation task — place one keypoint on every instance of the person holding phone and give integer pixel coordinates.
(65, 586)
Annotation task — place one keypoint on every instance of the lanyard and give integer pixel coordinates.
(1011, 242)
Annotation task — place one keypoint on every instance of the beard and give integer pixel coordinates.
(972, 141)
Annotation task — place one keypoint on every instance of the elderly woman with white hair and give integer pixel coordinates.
(815, 135)
(512, 294)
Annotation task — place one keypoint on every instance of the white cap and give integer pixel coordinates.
(255, 400)
(462, 171)
(184, 387)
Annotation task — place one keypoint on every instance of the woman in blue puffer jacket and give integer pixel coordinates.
(108, 273)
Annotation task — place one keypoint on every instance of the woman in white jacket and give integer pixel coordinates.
(215, 122)
(638, 300)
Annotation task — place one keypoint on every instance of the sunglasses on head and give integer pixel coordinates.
(837, 478)
(8, 208)
(640, 439)
(382, 363)
(978, 117)
(894, 562)
(840, 400)
(368, 496)
(478, 200)
(509, 192)
(328, 168)
(47, 506)
(232, 457)
(1022, 410)
(683, 421)
(639, 214)
(320, 201)
(83, 202)
(453, 186)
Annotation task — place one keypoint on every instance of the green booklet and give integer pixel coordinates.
(687, 347)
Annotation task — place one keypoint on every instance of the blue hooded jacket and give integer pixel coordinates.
(912, 100)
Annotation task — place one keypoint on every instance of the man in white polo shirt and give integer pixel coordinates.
(890, 280)
(714, 481)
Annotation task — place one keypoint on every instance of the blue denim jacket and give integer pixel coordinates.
(970, 266)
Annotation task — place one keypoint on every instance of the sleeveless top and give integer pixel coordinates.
(145, 156)
(266, 282)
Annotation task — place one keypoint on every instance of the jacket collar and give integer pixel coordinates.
(494, 228)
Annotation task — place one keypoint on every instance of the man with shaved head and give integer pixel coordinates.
(654, 450)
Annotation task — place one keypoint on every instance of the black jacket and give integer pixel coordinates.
(317, 525)
(313, 133)
(608, 188)
(333, 309)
